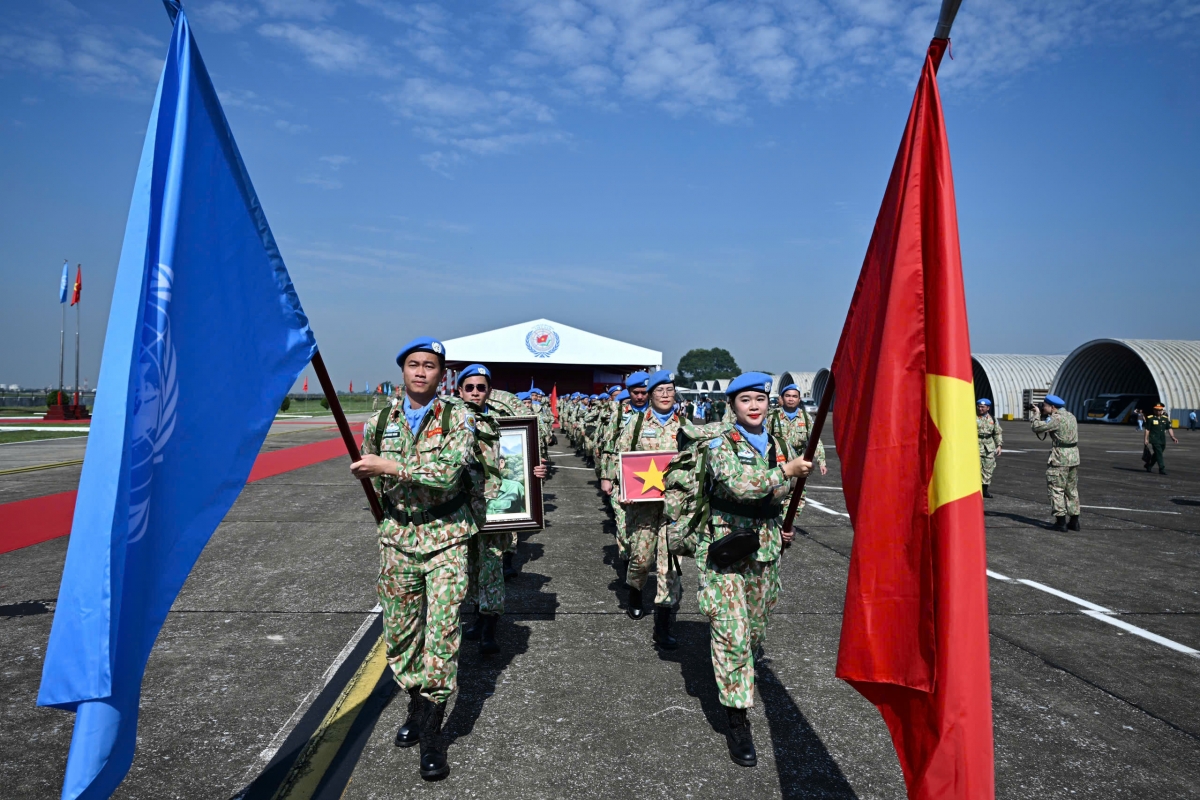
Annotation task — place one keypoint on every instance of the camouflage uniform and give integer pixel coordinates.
(423, 566)
(795, 432)
(738, 600)
(608, 430)
(1062, 470)
(645, 524)
(991, 439)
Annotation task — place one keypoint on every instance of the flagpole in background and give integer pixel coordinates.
(339, 416)
(62, 331)
(77, 302)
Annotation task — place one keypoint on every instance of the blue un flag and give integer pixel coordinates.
(205, 337)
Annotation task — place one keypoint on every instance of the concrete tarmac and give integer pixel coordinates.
(580, 703)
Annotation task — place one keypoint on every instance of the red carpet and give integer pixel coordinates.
(38, 519)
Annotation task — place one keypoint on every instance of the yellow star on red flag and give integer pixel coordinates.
(652, 478)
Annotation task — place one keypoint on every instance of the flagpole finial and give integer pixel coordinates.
(946, 18)
(173, 8)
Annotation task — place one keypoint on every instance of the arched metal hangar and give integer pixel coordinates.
(1002, 379)
(1168, 369)
(820, 380)
(803, 381)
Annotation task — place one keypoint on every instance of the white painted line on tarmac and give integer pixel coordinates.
(826, 509)
(1139, 452)
(1079, 601)
(1139, 510)
(1145, 634)
(585, 469)
(825, 488)
(1006, 451)
(1103, 614)
(51, 428)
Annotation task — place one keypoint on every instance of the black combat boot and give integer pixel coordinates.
(409, 733)
(487, 642)
(471, 634)
(1150, 466)
(510, 570)
(662, 628)
(434, 766)
(986, 493)
(1073, 524)
(741, 741)
(634, 610)
(1060, 524)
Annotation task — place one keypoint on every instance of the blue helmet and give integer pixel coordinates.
(749, 382)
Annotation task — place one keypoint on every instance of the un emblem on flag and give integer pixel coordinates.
(542, 341)
(154, 401)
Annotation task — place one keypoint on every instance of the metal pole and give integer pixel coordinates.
(62, 336)
(77, 307)
(344, 426)
(946, 18)
(810, 452)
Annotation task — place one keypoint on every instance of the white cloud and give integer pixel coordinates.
(320, 182)
(330, 49)
(315, 10)
(225, 16)
(290, 127)
(336, 162)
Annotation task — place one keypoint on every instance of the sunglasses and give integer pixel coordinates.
(474, 387)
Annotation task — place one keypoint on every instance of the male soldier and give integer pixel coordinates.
(991, 441)
(1158, 425)
(790, 422)
(487, 550)
(1062, 470)
(418, 462)
(646, 526)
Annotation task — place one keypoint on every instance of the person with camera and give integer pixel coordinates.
(1062, 468)
(750, 477)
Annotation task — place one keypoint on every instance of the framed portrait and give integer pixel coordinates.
(519, 506)
(642, 475)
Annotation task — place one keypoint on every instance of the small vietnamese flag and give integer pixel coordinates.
(915, 624)
(78, 284)
(642, 475)
(305, 383)
(351, 387)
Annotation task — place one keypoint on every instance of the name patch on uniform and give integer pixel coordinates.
(745, 458)
(391, 431)
(649, 434)
(433, 432)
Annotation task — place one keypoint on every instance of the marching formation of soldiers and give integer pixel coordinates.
(435, 463)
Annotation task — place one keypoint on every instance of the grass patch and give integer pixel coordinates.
(351, 404)
(33, 436)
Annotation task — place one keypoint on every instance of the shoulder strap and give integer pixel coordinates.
(380, 428)
(637, 428)
(445, 423)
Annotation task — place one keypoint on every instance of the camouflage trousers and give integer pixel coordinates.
(1063, 485)
(486, 585)
(421, 595)
(737, 602)
(619, 518)
(646, 537)
(987, 468)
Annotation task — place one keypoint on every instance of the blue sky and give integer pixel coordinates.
(672, 173)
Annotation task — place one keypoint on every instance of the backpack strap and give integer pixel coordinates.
(637, 428)
(380, 428)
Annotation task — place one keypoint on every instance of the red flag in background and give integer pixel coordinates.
(915, 626)
(554, 401)
(78, 284)
(351, 387)
(305, 389)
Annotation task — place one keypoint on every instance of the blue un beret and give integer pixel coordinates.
(536, 390)
(749, 382)
(616, 387)
(1055, 400)
(522, 395)
(622, 395)
(659, 378)
(637, 380)
(983, 401)
(790, 387)
(474, 369)
(422, 344)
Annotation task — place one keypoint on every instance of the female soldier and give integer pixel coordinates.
(737, 556)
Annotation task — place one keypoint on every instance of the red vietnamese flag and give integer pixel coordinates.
(915, 626)
(642, 474)
(305, 389)
(78, 284)
(554, 401)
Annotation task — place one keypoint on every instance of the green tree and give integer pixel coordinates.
(706, 365)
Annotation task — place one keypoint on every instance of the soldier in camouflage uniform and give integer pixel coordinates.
(1062, 470)
(645, 524)
(750, 477)
(487, 550)
(791, 423)
(419, 464)
(991, 441)
(610, 430)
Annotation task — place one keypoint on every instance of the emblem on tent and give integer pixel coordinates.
(542, 341)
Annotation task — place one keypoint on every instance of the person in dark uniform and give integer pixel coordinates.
(1158, 427)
